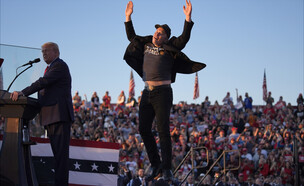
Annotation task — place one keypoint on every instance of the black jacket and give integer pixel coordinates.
(137, 182)
(54, 93)
(123, 180)
(134, 54)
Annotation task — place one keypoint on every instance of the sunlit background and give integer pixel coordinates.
(237, 39)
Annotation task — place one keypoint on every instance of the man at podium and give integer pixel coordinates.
(56, 114)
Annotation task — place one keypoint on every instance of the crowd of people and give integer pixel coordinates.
(262, 139)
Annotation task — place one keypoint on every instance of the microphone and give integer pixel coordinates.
(31, 62)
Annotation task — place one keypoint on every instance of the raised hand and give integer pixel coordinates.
(188, 10)
(129, 11)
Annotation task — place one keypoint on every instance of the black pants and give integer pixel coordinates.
(156, 103)
(59, 134)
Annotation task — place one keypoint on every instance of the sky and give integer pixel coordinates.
(236, 39)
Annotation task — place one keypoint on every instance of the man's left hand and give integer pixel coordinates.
(15, 95)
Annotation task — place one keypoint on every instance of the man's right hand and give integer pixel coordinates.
(129, 11)
(188, 10)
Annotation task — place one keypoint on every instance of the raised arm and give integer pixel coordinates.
(129, 11)
(188, 10)
(128, 24)
(181, 41)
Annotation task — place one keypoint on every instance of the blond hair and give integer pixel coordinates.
(53, 45)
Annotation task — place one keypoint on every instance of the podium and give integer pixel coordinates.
(16, 167)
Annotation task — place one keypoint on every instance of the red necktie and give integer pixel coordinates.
(46, 69)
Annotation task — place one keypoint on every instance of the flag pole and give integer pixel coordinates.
(131, 85)
(196, 87)
(264, 86)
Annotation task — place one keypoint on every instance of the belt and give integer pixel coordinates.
(151, 87)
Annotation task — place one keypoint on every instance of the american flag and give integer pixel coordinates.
(196, 87)
(131, 85)
(90, 163)
(264, 87)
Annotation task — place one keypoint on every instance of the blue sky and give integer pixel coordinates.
(237, 39)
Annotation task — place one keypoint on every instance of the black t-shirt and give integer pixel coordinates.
(157, 64)
(299, 113)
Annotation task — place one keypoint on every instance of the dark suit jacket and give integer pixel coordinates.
(134, 54)
(54, 94)
(137, 182)
(123, 180)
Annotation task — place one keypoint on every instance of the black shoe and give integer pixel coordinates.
(156, 173)
(167, 175)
